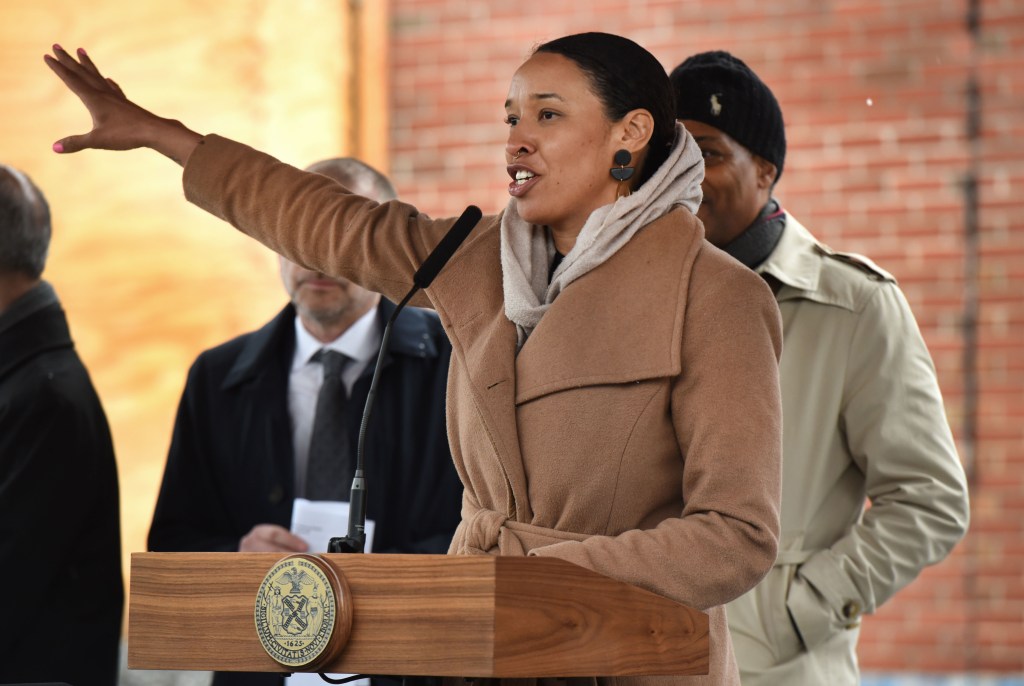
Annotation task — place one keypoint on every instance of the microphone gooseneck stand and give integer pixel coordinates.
(355, 541)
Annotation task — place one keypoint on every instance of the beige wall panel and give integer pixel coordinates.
(148, 280)
(373, 82)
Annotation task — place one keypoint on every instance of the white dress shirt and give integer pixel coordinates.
(360, 342)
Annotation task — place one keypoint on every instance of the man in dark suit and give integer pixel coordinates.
(241, 448)
(60, 536)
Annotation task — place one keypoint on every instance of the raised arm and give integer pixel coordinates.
(117, 122)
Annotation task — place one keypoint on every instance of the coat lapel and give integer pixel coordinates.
(609, 326)
(260, 375)
(469, 298)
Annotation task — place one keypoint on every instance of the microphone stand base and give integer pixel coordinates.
(346, 544)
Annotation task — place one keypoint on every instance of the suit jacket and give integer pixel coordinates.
(863, 420)
(60, 535)
(637, 433)
(231, 463)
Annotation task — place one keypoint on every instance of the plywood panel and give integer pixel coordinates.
(149, 281)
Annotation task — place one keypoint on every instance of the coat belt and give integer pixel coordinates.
(486, 532)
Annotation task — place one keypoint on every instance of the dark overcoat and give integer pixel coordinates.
(231, 463)
(60, 535)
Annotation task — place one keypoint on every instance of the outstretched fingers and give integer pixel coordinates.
(101, 97)
(69, 76)
(87, 63)
(77, 85)
(117, 122)
(94, 75)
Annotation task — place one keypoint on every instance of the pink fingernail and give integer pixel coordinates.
(81, 51)
(56, 46)
(58, 147)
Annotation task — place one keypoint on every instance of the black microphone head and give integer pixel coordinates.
(446, 247)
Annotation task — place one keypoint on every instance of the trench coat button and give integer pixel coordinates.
(276, 494)
(851, 611)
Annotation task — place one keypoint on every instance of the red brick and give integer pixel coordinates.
(880, 179)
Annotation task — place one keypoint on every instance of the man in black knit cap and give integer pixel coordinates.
(862, 412)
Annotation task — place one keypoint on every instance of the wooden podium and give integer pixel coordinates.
(420, 615)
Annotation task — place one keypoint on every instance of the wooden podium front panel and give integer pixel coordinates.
(557, 619)
(420, 615)
(413, 614)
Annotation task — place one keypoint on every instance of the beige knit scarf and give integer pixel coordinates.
(527, 249)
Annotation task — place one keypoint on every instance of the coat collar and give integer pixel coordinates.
(34, 299)
(44, 330)
(809, 269)
(411, 334)
(621, 322)
(410, 337)
(796, 260)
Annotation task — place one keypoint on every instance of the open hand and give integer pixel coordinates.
(117, 122)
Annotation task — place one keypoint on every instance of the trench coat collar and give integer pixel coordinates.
(796, 260)
(410, 336)
(610, 326)
(801, 262)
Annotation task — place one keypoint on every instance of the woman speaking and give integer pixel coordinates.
(613, 395)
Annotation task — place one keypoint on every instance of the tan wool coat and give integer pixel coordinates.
(638, 431)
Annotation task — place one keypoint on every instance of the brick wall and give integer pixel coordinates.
(875, 95)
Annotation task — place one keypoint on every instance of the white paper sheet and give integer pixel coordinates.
(317, 522)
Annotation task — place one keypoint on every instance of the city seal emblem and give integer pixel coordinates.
(303, 612)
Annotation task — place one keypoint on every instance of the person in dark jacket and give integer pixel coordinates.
(241, 447)
(60, 535)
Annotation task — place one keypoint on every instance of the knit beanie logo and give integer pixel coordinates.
(716, 107)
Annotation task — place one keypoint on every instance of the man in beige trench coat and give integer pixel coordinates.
(862, 414)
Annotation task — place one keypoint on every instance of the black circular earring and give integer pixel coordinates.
(622, 172)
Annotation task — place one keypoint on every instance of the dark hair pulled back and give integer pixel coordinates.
(624, 77)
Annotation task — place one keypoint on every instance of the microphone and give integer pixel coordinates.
(446, 247)
(355, 541)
